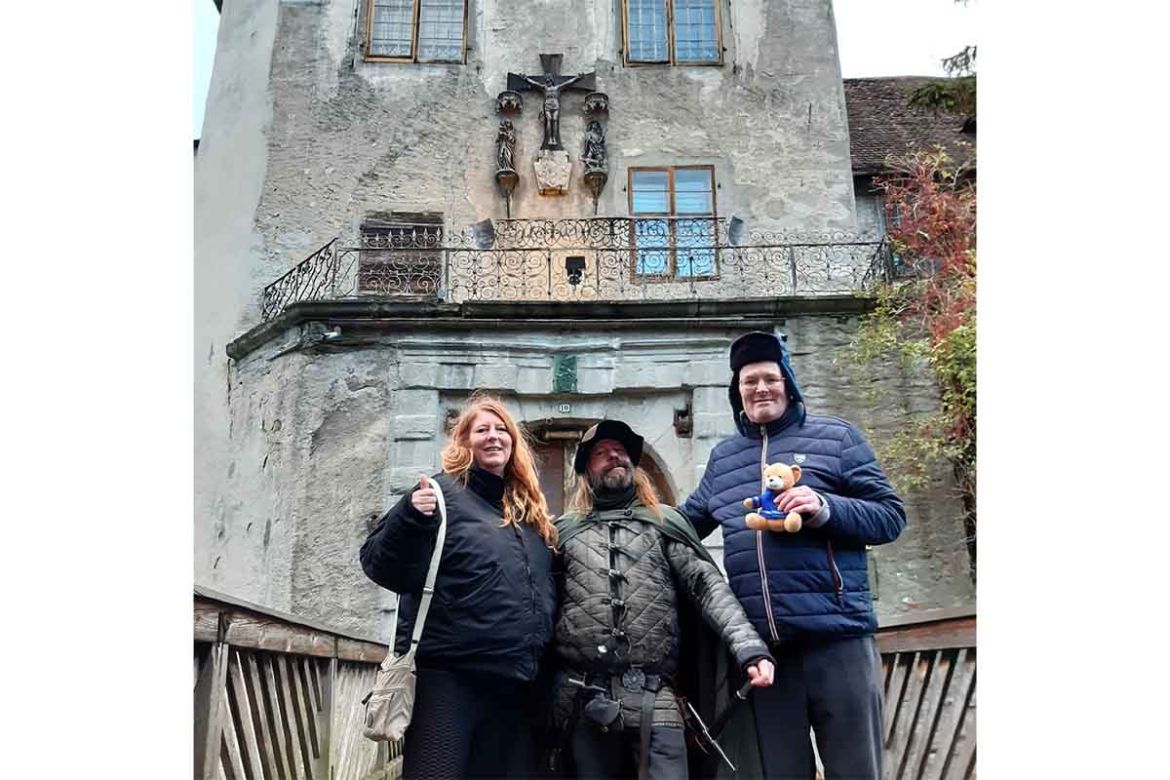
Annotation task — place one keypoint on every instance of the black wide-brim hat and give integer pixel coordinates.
(607, 429)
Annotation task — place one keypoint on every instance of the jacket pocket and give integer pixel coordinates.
(838, 582)
(470, 593)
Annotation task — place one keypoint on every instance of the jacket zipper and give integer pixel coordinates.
(760, 546)
(838, 583)
(534, 660)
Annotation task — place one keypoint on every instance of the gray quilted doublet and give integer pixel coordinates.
(618, 595)
(619, 607)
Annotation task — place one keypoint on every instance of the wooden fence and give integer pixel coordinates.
(929, 716)
(279, 698)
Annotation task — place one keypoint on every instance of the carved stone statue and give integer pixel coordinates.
(552, 164)
(551, 84)
(550, 112)
(596, 103)
(506, 146)
(594, 155)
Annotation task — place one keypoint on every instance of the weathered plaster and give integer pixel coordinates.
(300, 449)
(354, 137)
(361, 423)
(229, 174)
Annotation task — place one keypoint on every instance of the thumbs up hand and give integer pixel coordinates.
(423, 498)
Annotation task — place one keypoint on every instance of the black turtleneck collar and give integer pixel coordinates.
(613, 499)
(487, 486)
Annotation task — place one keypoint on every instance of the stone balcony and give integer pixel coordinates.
(583, 260)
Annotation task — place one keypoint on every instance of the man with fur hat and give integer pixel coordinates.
(629, 568)
(807, 593)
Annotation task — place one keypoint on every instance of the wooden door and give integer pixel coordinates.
(550, 460)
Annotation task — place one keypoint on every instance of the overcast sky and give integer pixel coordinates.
(876, 38)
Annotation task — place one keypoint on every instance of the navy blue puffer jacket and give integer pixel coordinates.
(814, 583)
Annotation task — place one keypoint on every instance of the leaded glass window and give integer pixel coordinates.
(440, 30)
(416, 30)
(694, 193)
(680, 32)
(674, 232)
(646, 22)
(696, 36)
(391, 28)
(650, 194)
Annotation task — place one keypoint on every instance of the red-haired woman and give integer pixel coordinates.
(491, 616)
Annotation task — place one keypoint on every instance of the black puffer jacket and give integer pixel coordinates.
(620, 602)
(494, 594)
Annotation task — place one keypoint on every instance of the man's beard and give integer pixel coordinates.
(609, 480)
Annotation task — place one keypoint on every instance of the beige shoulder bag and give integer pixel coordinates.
(390, 704)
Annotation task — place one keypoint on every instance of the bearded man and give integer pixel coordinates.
(628, 565)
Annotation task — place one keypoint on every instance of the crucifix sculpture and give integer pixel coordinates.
(551, 83)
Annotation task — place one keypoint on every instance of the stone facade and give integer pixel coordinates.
(302, 443)
(326, 438)
(345, 138)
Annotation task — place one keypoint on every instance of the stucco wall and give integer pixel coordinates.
(352, 137)
(297, 452)
(303, 138)
(230, 169)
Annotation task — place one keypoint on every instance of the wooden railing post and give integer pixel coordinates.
(325, 720)
(210, 710)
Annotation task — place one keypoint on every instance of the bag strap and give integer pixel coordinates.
(424, 603)
(645, 726)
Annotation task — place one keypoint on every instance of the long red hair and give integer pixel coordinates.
(523, 501)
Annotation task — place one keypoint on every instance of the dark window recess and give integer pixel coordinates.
(401, 254)
(449, 420)
(575, 269)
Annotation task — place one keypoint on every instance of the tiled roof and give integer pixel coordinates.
(881, 123)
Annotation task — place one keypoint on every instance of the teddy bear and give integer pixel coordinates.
(778, 477)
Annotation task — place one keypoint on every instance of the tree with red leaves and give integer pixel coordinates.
(925, 311)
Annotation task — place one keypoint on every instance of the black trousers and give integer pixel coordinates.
(467, 725)
(835, 687)
(616, 754)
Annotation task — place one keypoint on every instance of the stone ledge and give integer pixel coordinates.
(364, 320)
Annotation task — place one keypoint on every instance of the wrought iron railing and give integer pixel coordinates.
(599, 259)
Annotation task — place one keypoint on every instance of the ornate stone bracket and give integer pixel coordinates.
(506, 179)
(596, 103)
(509, 102)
